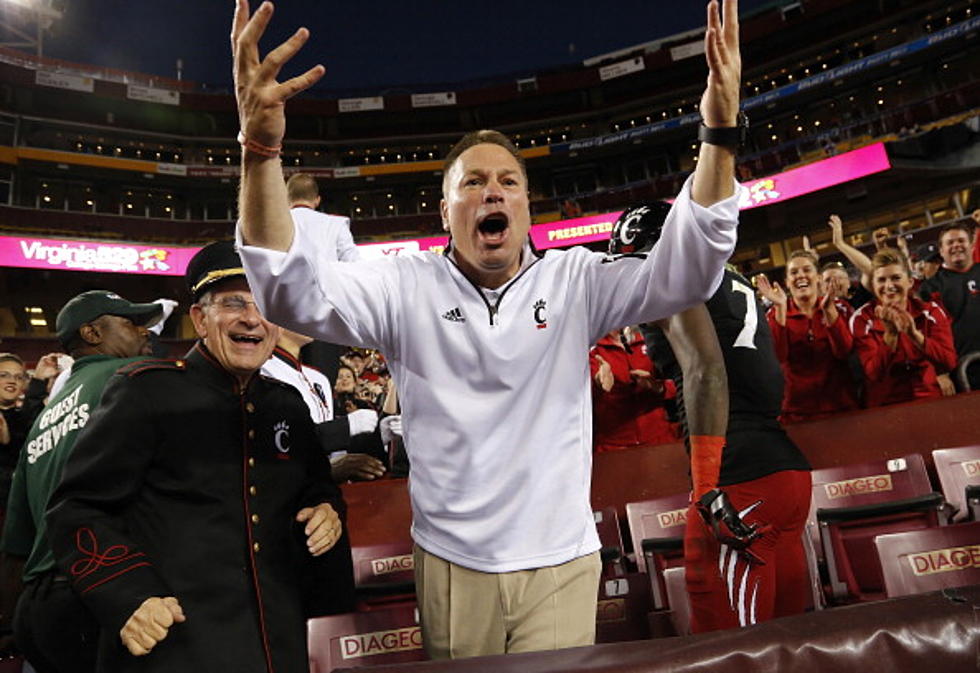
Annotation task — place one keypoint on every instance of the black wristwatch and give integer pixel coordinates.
(732, 137)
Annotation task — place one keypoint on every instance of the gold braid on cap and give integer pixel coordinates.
(217, 274)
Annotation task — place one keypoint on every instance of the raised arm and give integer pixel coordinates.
(715, 172)
(776, 296)
(262, 205)
(861, 261)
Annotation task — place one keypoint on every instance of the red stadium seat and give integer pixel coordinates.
(958, 469)
(855, 503)
(657, 530)
(660, 519)
(390, 635)
(384, 571)
(929, 560)
(624, 603)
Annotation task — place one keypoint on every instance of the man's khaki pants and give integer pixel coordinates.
(468, 613)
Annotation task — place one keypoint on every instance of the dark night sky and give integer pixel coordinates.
(371, 45)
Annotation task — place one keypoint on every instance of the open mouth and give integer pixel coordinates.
(801, 284)
(246, 339)
(493, 228)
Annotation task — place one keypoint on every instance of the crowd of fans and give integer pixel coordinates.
(890, 328)
(363, 384)
(882, 330)
(895, 327)
(210, 482)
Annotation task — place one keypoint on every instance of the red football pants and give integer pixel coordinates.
(726, 590)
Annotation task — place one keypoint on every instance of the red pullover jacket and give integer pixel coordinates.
(814, 360)
(908, 372)
(628, 415)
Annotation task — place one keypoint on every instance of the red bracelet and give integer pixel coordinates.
(258, 148)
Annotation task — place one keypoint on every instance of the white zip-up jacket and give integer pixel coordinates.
(494, 385)
(331, 233)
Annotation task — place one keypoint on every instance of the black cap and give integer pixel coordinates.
(88, 306)
(215, 261)
(638, 228)
(927, 253)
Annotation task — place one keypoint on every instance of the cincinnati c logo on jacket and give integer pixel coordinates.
(540, 317)
(281, 438)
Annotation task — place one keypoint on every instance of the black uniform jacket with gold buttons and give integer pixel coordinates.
(183, 485)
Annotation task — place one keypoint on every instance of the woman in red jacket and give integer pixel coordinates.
(812, 342)
(903, 342)
(627, 399)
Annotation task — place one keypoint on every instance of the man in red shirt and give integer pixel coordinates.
(902, 341)
(627, 399)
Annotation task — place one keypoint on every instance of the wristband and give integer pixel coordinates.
(250, 145)
(732, 137)
(705, 462)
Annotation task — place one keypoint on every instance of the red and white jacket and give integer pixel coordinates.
(814, 356)
(628, 415)
(908, 372)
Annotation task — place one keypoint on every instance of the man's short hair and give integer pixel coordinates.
(965, 225)
(483, 136)
(833, 265)
(11, 357)
(302, 187)
(887, 257)
(804, 254)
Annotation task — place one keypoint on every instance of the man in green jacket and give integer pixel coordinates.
(52, 628)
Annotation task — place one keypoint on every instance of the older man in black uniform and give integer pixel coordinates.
(197, 510)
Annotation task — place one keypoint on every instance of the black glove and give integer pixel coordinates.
(719, 513)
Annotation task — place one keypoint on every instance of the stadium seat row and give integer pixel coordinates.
(876, 529)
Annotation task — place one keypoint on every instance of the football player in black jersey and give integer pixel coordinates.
(744, 555)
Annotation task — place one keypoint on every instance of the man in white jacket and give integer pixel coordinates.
(334, 241)
(333, 231)
(488, 345)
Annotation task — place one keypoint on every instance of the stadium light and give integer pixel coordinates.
(26, 27)
(42, 7)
